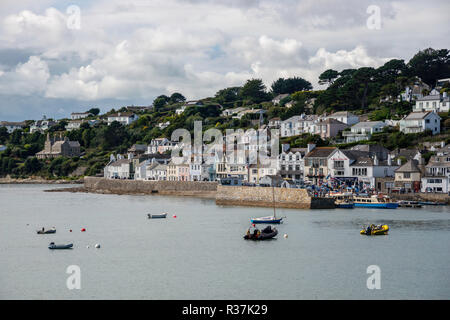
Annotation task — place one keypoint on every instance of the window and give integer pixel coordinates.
(406, 175)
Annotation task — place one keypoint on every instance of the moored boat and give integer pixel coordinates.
(157, 215)
(375, 201)
(409, 204)
(269, 219)
(53, 246)
(267, 233)
(48, 231)
(373, 230)
(343, 200)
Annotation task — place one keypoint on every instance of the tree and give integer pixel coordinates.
(176, 98)
(254, 90)
(430, 65)
(327, 77)
(160, 101)
(290, 85)
(228, 95)
(94, 111)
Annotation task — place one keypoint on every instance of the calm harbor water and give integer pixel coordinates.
(201, 253)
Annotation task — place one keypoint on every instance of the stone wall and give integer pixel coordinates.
(263, 197)
(439, 197)
(178, 188)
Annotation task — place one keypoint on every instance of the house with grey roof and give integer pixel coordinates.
(421, 121)
(119, 168)
(434, 102)
(11, 126)
(276, 101)
(345, 117)
(408, 176)
(437, 173)
(363, 130)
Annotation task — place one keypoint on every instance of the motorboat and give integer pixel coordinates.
(267, 233)
(157, 215)
(375, 201)
(48, 231)
(343, 200)
(409, 204)
(53, 246)
(374, 230)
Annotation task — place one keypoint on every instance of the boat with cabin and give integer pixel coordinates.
(270, 219)
(375, 201)
(409, 204)
(343, 200)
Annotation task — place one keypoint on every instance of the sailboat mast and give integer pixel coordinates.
(273, 199)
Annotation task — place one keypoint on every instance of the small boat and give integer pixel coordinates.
(343, 200)
(157, 215)
(267, 233)
(431, 203)
(409, 204)
(375, 230)
(48, 231)
(52, 246)
(270, 219)
(375, 201)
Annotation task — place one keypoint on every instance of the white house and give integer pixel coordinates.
(278, 98)
(291, 165)
(124, 118)
(434, 102)
(163, 125)
(437, 174)
(156, 172)
(344, 117)
(297, 125)
(11, 126)
(155, 144)
(119, 168)
(180, 110)
(79, 115)
(363, 130)
(420, 121)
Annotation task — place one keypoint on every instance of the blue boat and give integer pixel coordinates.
(374, 201)
(345, 205)
(270, 219)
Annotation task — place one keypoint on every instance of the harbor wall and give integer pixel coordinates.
(263, 197)
(177, 188)
(439, 197)
(224, 195)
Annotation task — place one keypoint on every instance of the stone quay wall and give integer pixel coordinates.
(263, 197)
(176, 188)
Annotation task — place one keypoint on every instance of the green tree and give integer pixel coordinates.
(290, 85)
(430, 65)
(94, 111)
(328, 76)
(176, 98)
(254, 90)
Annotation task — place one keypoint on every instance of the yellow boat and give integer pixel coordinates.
(374, 230)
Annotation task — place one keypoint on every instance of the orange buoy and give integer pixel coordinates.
(174, 216)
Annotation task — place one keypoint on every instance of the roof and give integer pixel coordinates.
(281, 96)
(121, 114)
(11, 123)
(430, 98)
(119, 162)
(320, 152)
(410, 166)
(368, 124)
(419, 115)
(342, 114)
(356, 154)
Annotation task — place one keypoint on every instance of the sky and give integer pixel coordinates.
(58, 57)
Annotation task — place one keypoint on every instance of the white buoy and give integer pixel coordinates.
(97, 245)
(285, 235)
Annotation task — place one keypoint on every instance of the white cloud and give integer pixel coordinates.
(26, 79)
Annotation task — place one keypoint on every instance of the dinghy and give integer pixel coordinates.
(52, 246)
(43, 231)
(157, 215)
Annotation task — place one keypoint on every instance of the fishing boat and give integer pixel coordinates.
(409, 204)
(48, 231)
(157, 215)
(375, 201)
(375, 230)
(432, 203)
(54, 246)
(270, 219)
(267, 233)
(343, 200)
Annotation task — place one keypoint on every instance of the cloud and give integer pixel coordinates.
(131, 52)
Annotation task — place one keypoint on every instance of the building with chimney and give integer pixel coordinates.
(59, 147)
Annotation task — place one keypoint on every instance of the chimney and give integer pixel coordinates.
(310, 147)
(389, 160)
(442, 144)
(399, 162)
(375, 160)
